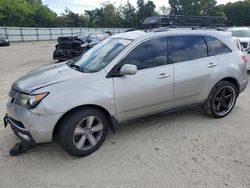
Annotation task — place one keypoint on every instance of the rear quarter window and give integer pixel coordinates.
(216, 47)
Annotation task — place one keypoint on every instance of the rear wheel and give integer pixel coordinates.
(83, 132)
(221, 100)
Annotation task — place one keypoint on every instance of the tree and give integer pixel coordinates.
(14, 13)
(43, 17)
(111, 17)
(25, 13)
(163, 10)
(192, 7)
(145, 10)
(238, 13)
(128, 15)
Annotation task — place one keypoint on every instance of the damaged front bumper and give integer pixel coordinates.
(21, 133)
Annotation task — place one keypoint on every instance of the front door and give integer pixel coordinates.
(150, 90)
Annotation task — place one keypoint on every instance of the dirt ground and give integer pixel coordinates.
(182, 149)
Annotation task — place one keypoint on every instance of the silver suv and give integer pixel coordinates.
(126, 76)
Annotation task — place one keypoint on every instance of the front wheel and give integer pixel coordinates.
(82, 132)
(221, 99)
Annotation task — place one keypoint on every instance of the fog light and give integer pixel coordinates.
(25, 137)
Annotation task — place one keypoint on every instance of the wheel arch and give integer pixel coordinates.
(233, 81)
(111, 119)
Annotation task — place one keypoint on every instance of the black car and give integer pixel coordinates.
(73, 46)
(4, 41)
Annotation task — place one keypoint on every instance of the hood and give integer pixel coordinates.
(46, 76)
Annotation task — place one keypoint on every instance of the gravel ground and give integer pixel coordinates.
(182, 149)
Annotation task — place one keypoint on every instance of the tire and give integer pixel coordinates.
(218, 106)
(74, 134)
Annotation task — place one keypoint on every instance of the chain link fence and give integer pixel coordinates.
(41, 34)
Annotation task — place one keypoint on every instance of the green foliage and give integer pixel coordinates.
(164, 10)
(238, 13)
(25, 13)
(34, 14)
(145, 10)
(14, 13)
(192, 7)
(128, 15)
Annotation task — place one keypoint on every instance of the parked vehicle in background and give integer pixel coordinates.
(243, 34)
(69, 47)
(4, 40)
(124, 77)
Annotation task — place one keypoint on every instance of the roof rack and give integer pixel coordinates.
(167, 28)
(183, 21)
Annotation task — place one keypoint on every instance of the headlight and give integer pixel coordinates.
(30, 101)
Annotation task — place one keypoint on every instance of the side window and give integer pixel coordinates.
(186, 48)
(151, 53)
(216, 47)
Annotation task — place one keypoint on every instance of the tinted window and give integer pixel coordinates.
(216, 47)
(185, 48)
(149, 54)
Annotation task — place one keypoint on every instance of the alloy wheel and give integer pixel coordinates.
(87, 133)
(224, 100)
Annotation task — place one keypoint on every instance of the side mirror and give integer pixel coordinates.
(128, 69)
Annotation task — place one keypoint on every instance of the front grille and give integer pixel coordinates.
(244, 44)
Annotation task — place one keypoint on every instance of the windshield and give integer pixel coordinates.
(99, 56)
(241, 33)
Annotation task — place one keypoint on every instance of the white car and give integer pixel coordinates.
(243, 34)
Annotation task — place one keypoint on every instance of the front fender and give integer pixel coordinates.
(66, 96)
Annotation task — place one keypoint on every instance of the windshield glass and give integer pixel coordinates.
(241, 33)
(99, 56)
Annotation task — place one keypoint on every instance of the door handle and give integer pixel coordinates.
(212, 64)
(163, 75)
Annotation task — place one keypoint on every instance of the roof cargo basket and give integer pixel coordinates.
(183, 21)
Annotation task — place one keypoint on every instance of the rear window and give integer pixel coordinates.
(216, 47)
(186, 48)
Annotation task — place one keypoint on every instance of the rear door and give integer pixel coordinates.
(193, 68)
(150, 90)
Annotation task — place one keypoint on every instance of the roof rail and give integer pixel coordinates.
(162, 29)
(183, 21)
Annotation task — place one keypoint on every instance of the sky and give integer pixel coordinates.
(78, 6)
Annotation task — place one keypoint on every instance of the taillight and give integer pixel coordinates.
(244, 57)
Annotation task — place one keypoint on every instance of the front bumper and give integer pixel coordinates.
(19, 132)
(38, 127)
